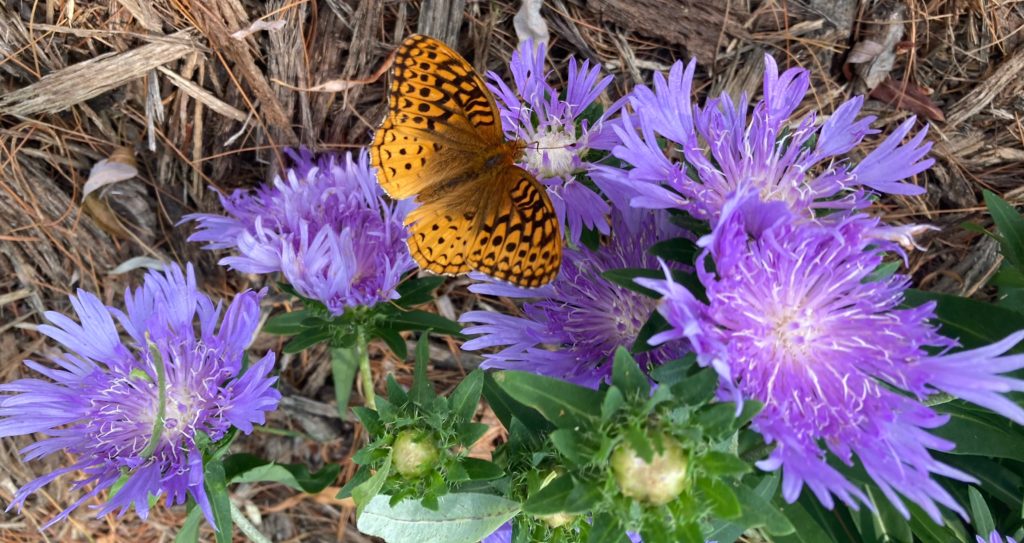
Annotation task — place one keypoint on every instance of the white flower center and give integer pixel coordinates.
(551, 155)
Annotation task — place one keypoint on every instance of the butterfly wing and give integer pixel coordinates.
(506, 227)
(442, 124)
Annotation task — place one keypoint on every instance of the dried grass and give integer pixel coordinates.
(202, 108)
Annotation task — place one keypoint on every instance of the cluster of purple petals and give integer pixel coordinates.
(573, 325)
(728, 147)
(100, 401)
(558, 139)
(795, 317)
(325, 226)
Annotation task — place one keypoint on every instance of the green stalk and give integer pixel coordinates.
(364, 367)
(161, 408)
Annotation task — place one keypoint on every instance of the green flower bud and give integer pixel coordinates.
(414, 453)
(657, 482)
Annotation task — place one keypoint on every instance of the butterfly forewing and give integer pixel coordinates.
(442, 142)
(441, 122)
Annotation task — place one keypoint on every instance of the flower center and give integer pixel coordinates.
(552, 154)
(794, 335)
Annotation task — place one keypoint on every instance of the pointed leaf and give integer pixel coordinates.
(466, 397)
(423, 321)
(287, 324)
(626, 375)
(418, 290)
(564, 404)
(220, 502)
(459, 518)
(1011, 228)
(306, 339)
(248, 468)
(422, 391)
(367, 491)
(344, 364)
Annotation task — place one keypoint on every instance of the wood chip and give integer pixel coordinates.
(1005, 78)
(80, 82)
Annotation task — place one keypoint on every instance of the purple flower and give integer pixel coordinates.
(325, 226)
(558, 138)
(584, 316)
(800, 162)
(994, 537)
(796, 321)
(101, 403)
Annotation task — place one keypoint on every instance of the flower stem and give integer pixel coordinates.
(245, 526)
(364, 368)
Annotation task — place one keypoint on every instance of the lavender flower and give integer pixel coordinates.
(795, 321)
(582, 314)
(558, 137)
(325, 226)
(801, 163)
(101, 405)
(994, 537)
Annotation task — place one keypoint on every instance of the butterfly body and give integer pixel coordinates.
(442, 142)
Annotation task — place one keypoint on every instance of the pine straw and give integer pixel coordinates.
(202, 109)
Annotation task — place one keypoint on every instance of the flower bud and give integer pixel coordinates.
(657, 482)
(414, 453)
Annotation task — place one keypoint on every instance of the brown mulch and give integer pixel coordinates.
(199, 106)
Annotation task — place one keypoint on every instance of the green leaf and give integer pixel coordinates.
(248, 468)
(422, 391)
(611, 404)
(722, 464)
(368, 490)
(673, 371)
(423, 321)
(655, 324)
(887, 522)
(677, 250)
(564, 404)
(466, 397)
(189, 532)
(563, 495)
(627, 377)
(980, 434)
(418, 290)
(883, 271)
(306, 339)
(481, 470)
(287, 324)
(607, 529)
(567, 443)
(361, 475)
(344, 364)
(220, 502)
(981, 516)
(758, 511)
(393, 339)
(973, 322)
(724, 503)
(624, 277)
(459, 518)
(1011, 228)
(808, 526)
(505, 408)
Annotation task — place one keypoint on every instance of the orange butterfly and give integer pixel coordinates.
(442, 142)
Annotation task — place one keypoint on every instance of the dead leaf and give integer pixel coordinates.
(909, 97)
(257, 26)
(874, 55)
(529, 23)
(120, 166)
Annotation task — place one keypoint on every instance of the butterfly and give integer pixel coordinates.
(442, 142)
